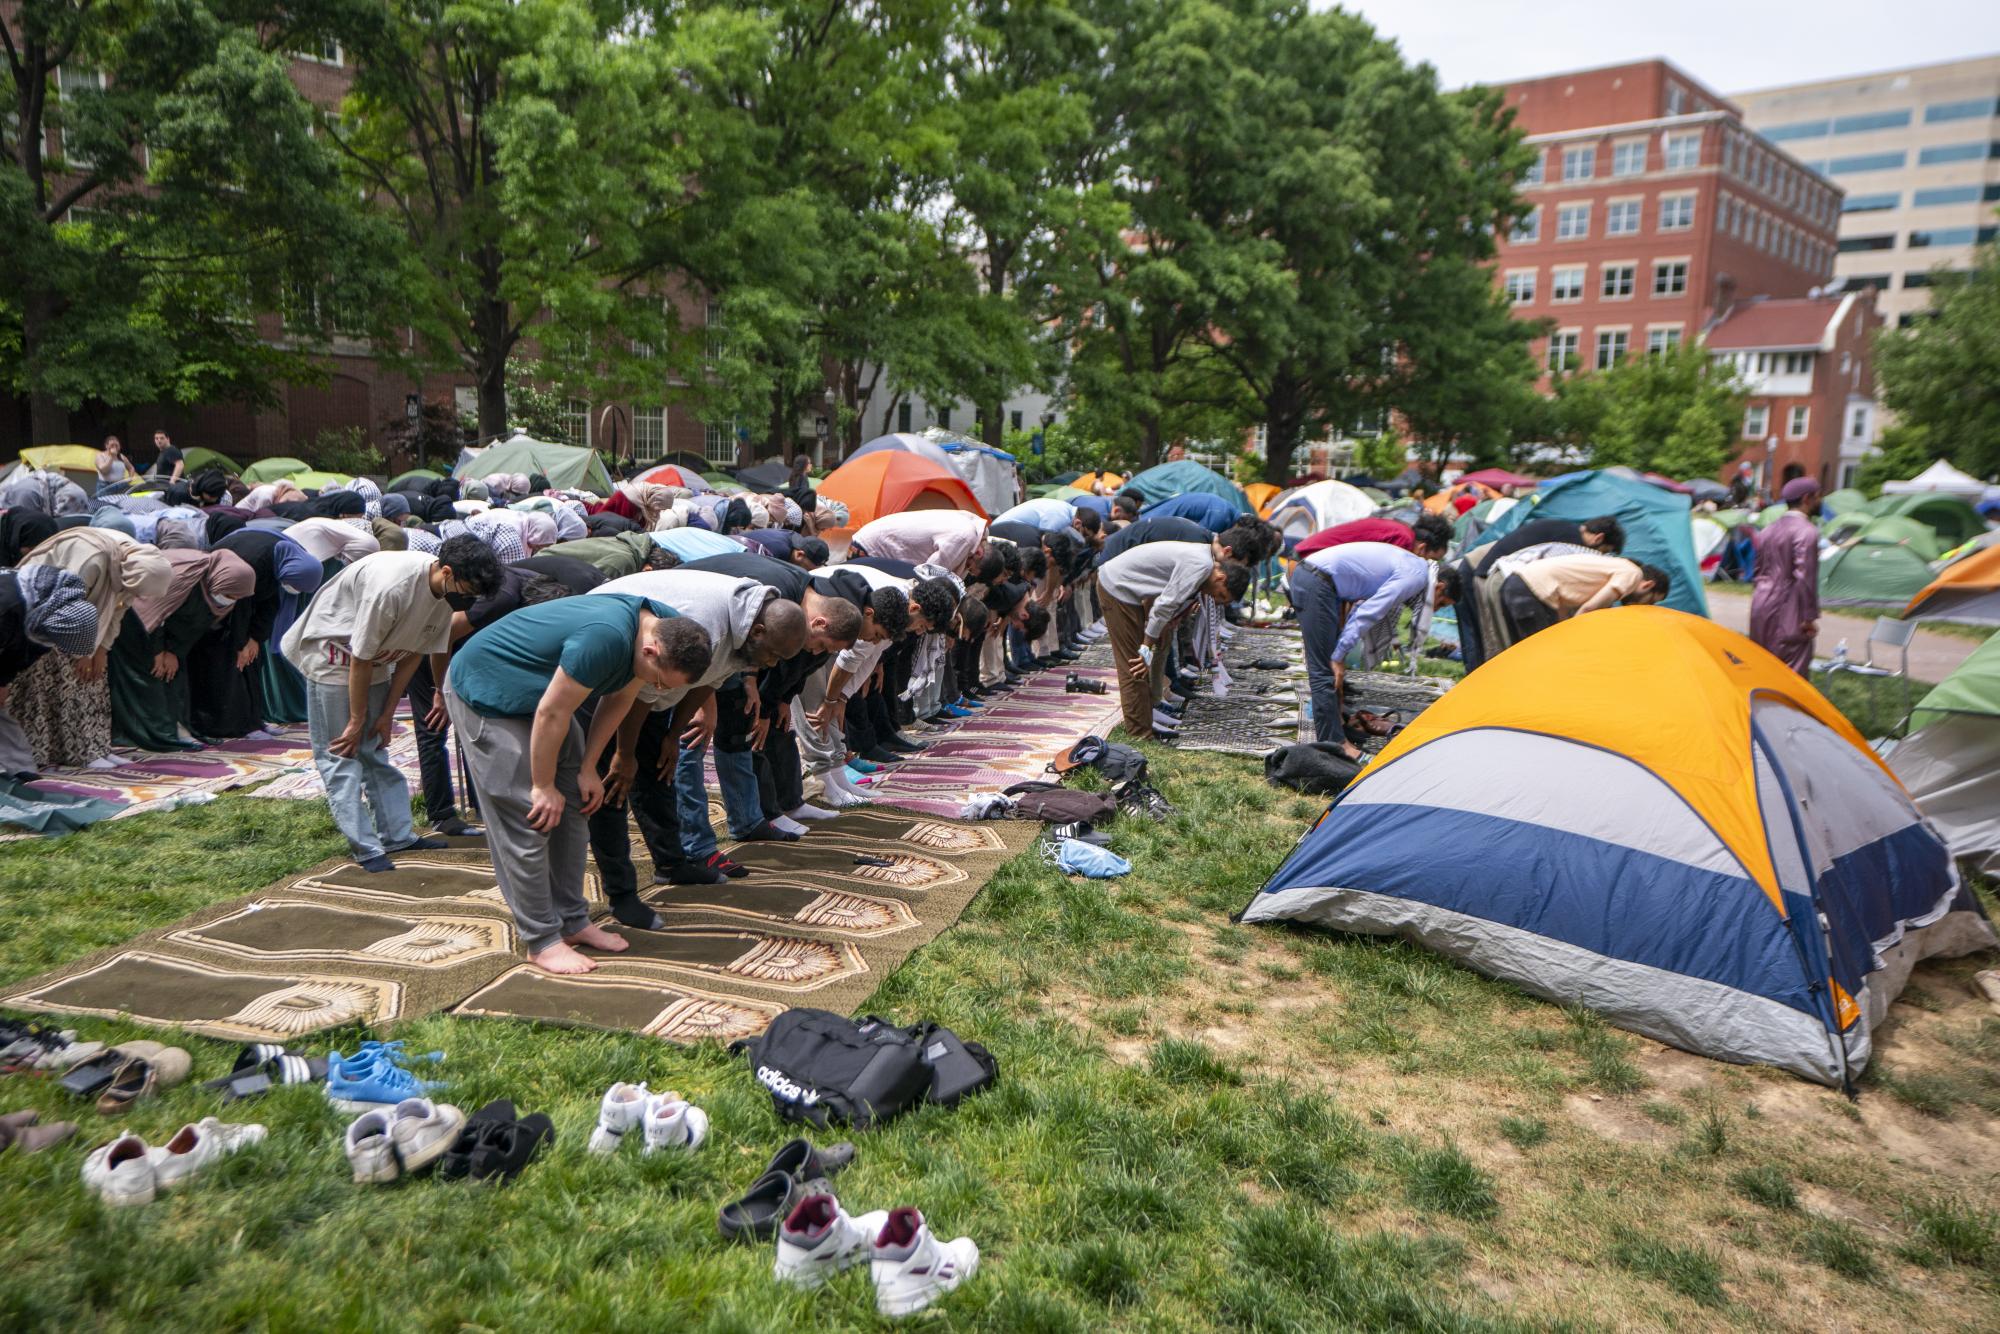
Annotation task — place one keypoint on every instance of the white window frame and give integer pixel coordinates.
(1686, 266)
(1565, 350)
(1682, 151)
(1662, 338)
(1564, 212)
(1536, 170)
(1622, 151)
(718, 443)
(1630, 207)
(1685, 202)
(1584, 158)
(101, 81)
(1628, 269)
(1581, 275)
(574, 411)
(1519, 284)
(1527, 228)
(1760, 414)
(1619, 338)
(645, 421)
(1798, 421)
(337, 59)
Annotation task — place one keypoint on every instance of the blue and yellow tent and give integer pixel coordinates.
(1644, 813)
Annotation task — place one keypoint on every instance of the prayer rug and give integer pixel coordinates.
(820, 922)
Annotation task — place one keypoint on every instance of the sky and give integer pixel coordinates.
(1730, 45)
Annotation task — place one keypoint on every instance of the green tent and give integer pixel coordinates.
(1886, 563)
(1184, 477)
(1951, 518)
(1770, 514)
(1731, 519)
(427, 474)
(565, 466)
(195, 459)
(1844, 501)
(312, 479)
(274, 470)
(1973, 688)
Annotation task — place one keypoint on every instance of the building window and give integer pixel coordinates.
(1579, 162)
(1566, 285)
(1533, 175)
(1676, 99)
(1659, 342)
(649, 434)
(1896, 161)
(1563, 350)
(903, 417)
(319, 50)
(1621, 217)
(718, 443)
(1872, 120)
(1521, 286)
(1857, 424)
(1795, 423)
(1873, 203)
(1931, 157)
(1572, 222)
(1677, 212)
(73, 79)
(1670, 277)
(1014, 421)
(944, 418)
(576, 422)
(1916, 280)
(1618, 281)
(1798, 129)
(1628, 157)
(1527, 227)
(1612, 345)
(1755, 420)
(712, 348)
(1948, 194)
(1978, 108)
(1683, 151)
(1943, 236)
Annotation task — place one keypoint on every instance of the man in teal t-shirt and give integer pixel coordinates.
(513, 692)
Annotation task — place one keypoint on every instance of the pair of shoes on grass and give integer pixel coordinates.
(910, 1267)
(405, 1140)
(375, 1077)
(128, 1171)
(665, 1121)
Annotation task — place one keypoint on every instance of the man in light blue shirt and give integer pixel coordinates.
(1341, 594)
(1044, 512)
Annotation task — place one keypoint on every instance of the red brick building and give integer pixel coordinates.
(1654, 208)
(1806, 365)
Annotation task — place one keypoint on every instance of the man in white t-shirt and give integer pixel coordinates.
(357, 645)
(950, 539)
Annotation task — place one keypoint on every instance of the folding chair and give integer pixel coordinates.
(1894, 634)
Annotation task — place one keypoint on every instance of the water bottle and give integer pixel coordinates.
(1839, 657)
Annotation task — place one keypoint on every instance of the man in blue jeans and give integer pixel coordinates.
(1341, 594)
(357, 645)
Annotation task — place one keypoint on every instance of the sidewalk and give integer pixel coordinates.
(1932, 656)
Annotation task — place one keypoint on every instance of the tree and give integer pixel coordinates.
(1674, 412)
(142, 228)
(1904, 451)
(1464, 380)
(1382, 457)
(1942, 373)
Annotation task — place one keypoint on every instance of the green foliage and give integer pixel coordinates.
(1766, 1185)
(1067, 448)
(1675, 413)
(344, 449)
(1445, 1181)
(1941, 375)
(1842, 1248)
(1951, 1231)
(1187, 1062)
(144, 227)
(432, 441)
(1904, 451)
(536, 409)
(1694, 1272)
(1382, 457)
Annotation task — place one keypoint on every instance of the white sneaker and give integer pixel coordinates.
(121, 1172)
(371, 1149)
(912, 1268)
(674, 1124)
(199, 1146)
(623, 1109)
(818, 1240)
(420, 1131)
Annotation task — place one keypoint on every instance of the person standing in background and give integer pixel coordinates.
(1784, 609)
(168, 465)
(113, 468)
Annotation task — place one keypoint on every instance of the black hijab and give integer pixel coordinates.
(21, 531)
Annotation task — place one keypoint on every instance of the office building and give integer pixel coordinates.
(1916, 153)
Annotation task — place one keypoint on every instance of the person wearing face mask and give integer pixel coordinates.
(149, 691)
(358, 645)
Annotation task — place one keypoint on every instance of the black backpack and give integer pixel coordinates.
(825, 1069)
(1317, 767)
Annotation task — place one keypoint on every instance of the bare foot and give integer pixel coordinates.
(597, 938)
(560, 958)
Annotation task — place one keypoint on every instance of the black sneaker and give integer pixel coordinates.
(1136, 798)
(457, 1160)
(1076, 685)
(794, 1172)
(509, 1146)
(689, 873)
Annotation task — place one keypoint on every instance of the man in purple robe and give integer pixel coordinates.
(1784, 611)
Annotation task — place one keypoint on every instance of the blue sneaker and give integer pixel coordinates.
(864, 766)
(354, 1087)
(967, 703)
(954, 711)
(394, 1051)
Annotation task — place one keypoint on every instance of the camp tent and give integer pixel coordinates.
(1708, 539)
(890, 481)
(1770, 514)
(1655, 522)
(1965, 590)
(313, 479)
(196, 458)
(1949, 517)
(991, 474)
(1182, 477)
(1940, 476)
(566, 466)
(1951, 761)
(1728, 869)
(672, 474)
(78, 463)
(1304, 510)
(1844, 501)
(1885, 562)
(274, 470)
(414, 475)
(906, 442)
(1260, 495)
(1498, 478)
(1706, 490)
(1110, 482)
(1476, 520)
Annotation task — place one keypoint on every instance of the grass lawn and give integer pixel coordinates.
(1197, 1125)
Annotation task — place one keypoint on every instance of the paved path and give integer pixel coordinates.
(1932, 656)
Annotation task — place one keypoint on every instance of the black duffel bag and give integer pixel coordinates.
(1317, 767)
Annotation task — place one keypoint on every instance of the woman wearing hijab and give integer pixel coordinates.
(278, 692)
(41, 608)
(149, 691)
(225, 668)
(21, 531)
(66, 709)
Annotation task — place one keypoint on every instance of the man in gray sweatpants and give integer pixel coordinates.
(513, 692)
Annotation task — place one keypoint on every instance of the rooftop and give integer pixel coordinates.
(1766, 323)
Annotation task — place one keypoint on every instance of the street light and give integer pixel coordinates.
(413, 411)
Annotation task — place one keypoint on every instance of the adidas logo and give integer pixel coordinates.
(783, 1087)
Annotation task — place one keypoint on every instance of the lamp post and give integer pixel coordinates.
(413, 411)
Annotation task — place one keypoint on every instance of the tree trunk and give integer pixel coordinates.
(889, 413)
(1284, 425)
(492, 388)
(994, 414)
(1151, 445)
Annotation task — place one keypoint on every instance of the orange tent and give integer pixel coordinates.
(1968, 589)
(890, 481)
(1440, 502)
(1092, 481)
(672, 474)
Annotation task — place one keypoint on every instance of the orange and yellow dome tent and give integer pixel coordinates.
(890, 481)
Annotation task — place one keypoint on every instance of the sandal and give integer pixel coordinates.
(141, 1077)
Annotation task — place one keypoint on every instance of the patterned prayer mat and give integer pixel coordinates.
(337, 945)
(1265, 707)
